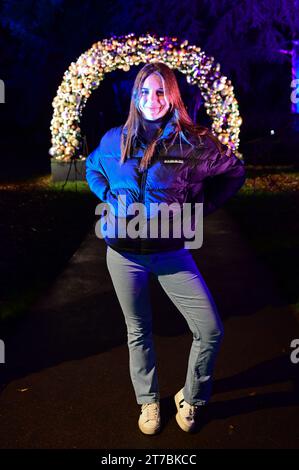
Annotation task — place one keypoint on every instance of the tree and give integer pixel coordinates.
(164, 18)
(254, 31)
(45, 37)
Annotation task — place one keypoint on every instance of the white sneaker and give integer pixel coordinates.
(187, 414)
(149, 419)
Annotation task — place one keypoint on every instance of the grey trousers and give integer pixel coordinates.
(180, 278)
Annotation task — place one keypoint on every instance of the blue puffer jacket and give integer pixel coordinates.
(191, 169)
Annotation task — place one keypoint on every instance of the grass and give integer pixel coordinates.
(267, 209)
(42, 225)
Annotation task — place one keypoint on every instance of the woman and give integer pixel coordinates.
(160, 156)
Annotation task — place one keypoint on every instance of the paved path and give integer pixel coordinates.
(66, 383)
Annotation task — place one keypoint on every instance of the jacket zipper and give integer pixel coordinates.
(142, 186)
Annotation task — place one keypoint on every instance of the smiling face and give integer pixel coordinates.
(153, 102)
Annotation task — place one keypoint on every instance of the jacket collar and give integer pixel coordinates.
(168, 133)
(168, 130)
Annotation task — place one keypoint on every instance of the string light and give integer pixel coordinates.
(85, 75)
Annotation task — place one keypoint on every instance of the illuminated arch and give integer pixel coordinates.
(85, 75)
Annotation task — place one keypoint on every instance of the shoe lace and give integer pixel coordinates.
(151, 410)
(193, 411)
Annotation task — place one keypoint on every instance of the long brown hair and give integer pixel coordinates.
(177, 107)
